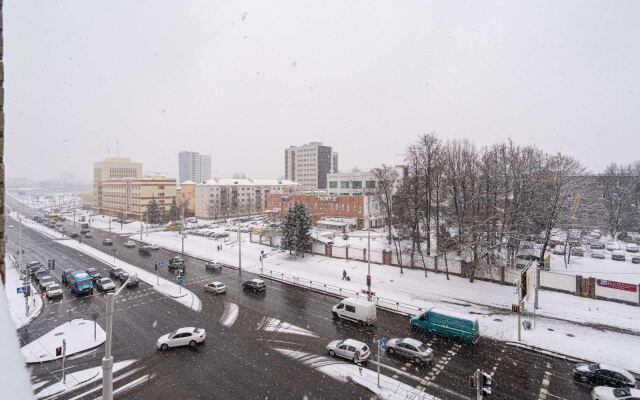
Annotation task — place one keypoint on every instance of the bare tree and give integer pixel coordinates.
(386, 178)
(619, 184)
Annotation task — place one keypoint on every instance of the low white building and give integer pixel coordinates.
(354, 182)
(222, 198)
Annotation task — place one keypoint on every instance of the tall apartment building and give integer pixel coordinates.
(112, 168)
(221, 198)
(130, 197)
(193, 166)
(309, 164)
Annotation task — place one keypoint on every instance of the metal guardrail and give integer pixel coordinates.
(381, 302)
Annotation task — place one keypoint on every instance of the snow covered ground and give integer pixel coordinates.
(78, 335)
(16, 300)
(571, 324)
(78, 379)
(621, 271)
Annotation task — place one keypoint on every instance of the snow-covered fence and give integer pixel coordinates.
(318, 248)
(339, 252)
(381, 302)
(559, 282)
(376, 256)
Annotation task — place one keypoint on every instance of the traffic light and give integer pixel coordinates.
(53, 263)
(58, 351)
(486, 384)
(48, 264)
(524, 284)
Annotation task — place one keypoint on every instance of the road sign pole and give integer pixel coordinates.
(519, 310)
(64, 354)
(378, 364)
(478, 385)
(94, 329)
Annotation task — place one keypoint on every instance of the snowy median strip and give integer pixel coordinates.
(269, 324)
(180, 294)
(77, 334)
(16, 300)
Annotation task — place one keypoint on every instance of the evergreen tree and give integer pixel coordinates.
(302, 236)
(288, 231)
(153, 212)
(173, 211)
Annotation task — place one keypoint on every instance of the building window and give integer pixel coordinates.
(333, 184)
(370, 184)
(344, 184)
(357, 184)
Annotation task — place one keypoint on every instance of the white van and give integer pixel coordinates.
(354, 309)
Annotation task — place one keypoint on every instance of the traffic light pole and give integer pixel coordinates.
(519, 310)
(107, 361)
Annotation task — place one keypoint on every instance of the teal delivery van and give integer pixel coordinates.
(448, 323)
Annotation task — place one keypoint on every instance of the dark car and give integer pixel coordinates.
(107, 242)
(65, 276)
(118, 274)
(597, 246)
(84, 231)
(145, 250)
(577, 251)
(93, 273)
(88, 235)
(45, 281)
(618, 255)
(133, 281)
(604, 375)
(255, 285)
(40, 273)
(176, 263)
(105, 285)
(74, 235)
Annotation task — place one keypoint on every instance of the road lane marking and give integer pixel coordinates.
(544, 388)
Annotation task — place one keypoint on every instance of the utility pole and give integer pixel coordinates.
(109, 224)
(141, 229)
(64, 355)
(369, 262)
(478, 376)
(239, 248)
(519, 310)
(25, 283)
(107, 361)
(378, 365)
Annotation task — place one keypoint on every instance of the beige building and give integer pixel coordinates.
(309, 164)
(112, 169)
(186, 197)
(130, 197)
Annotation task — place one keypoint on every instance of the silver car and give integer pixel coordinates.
(216, 288)
(410, 348)
(350, 349)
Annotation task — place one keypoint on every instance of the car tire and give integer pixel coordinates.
(332, 353)
(164, 347)
(417, 360)
(390, 350)
(361, 323)
(192, 343)
(334, 314)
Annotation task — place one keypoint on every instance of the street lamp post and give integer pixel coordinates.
(107, 360)
(369, 255)
(239, 248)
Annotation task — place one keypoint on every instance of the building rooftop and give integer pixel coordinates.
(249, 182)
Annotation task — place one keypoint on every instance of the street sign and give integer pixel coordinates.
(180, 282)
(21, 289)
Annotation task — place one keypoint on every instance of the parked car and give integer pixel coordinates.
(609, 393)
(105, 285)
(350, 349)
(133, 281)
(448, 323)
(176, 263)
(45, 281)
(255, 285)
(93, 273)
(74, 235)
(129, 244)
(597, 246)
(40, 273)
(182, 337)
(412, 349)
(604, 375)
(357, 310)
(632, 247)
(155, 247)
(88, 235)
(635, 260)
(54, 291)
(107, 242)
(213, 266)
(216, 288)
(618, 255)
(118, 274)
(597, 254)
(613, 246)
(559, 250)
(577, 251)
(144, 250)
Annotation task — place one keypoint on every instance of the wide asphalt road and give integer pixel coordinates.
(239, 360)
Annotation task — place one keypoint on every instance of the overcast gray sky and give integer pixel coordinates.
(242, 80)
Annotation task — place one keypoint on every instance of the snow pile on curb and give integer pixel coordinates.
(16, 300)
(78, 335)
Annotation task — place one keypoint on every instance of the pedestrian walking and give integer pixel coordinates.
(344, 275)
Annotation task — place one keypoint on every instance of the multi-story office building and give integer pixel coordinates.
(130, 197)
(112, 168)
(186, 198)
(309, 164)
(355, 182)
(221, 198)
(193, 166)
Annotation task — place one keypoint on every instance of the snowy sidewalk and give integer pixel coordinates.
(16, 300)
(566, 324)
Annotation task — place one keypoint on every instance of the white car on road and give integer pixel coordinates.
(609, 393)
(189, 336)
(350, 349)
(216, 288)
(129, 244)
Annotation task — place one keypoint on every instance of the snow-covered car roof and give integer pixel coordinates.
(257, 280)
(411, 341)
(354, 343)
(189, 329)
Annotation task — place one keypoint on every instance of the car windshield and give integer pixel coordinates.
(621, 392)
(53, 287)
(423, 348)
